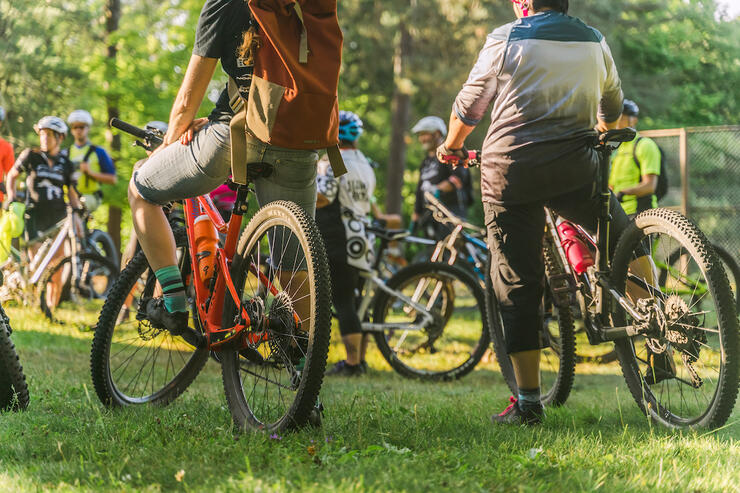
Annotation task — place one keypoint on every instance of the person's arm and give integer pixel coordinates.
(647, 186)
(476, 95)
(612, 98)
(15, 171)
(197, 77)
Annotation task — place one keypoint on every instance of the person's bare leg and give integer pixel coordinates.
(526, 368)
(363, 347)
(152, 230)
(353, 343)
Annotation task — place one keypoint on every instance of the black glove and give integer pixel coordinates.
(620, 196)
(455, 157)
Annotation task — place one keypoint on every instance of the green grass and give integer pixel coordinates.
(380, 433)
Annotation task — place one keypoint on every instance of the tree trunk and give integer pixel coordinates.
(400, 108)
(112, 19)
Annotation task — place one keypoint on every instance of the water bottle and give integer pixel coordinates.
(575, 246)
(206, 242)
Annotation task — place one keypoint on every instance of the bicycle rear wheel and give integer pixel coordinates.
(272, 382)
(684, 372)
(13, 388)
(73, 290)
(453, 342)
(132, 362)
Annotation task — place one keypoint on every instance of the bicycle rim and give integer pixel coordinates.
(684, 373)
(132, 362)
(444, 340)
(281, 274)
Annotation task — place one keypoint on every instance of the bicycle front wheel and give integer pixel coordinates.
(684, 370)
(131, 361)
(13, 388)
(281, 274)
(73, 290)
(443, 341)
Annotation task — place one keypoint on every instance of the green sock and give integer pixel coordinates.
(172, 288)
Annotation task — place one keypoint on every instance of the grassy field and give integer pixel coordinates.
(380, 433)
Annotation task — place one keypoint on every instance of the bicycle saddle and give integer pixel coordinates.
(619, 135)
(388, 234)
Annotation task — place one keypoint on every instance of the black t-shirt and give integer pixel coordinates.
(432, 173)
(221, 27)
(46, 177)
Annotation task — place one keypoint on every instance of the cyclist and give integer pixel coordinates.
(548, 75)
(451, 186)
(635, 167)
(93, 162)
(48, 171)
(342, 207)
(195, 156)
(7, 157)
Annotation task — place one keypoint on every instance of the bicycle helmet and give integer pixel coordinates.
(630, 108)
(430, 124)
(2, 114)
(350, 126)
(80, 116)
(52, 123)
(157, 125)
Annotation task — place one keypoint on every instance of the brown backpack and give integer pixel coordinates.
(292, 99)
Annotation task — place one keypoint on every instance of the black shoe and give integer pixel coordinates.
(174, 322)
(342, 369)
(660, 367)
(365, 367)
(514, 415)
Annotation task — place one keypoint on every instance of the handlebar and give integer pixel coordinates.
(443, 215)
(473, 159)
(152, 138)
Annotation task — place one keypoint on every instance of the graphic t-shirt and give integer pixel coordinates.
(99, 161)
(342, 222)
(46, 177)
(625, 172)
(6, 161)
(219, 34)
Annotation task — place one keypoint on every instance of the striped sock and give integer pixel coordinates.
(172, 288)
(529, 399)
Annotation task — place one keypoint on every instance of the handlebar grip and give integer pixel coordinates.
(128, 128)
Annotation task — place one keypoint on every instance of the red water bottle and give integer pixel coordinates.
(206, 242)
(575, 246)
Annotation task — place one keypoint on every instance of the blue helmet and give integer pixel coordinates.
(350, 126)
(630, 108)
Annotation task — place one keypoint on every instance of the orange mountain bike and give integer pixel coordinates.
(259, 301)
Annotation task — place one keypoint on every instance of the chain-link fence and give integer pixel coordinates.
(703, 167)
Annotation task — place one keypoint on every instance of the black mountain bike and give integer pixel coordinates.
(679, 348)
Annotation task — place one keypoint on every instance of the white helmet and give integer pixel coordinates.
(52, 123)
(157, 125)
(430, 124)
(80, 116)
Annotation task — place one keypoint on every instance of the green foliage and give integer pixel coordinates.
(676, 58)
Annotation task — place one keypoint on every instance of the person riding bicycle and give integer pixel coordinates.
(635, 167)
(93, 162)
(48, 172)
(548, 76)
(453, 187)
(342, 207)
(7, 156)
(195, 157)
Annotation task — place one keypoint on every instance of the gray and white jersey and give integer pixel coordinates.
(548, 76)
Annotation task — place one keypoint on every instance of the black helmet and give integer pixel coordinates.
(630, 108)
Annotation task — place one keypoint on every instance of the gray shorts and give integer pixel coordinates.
(183, 171)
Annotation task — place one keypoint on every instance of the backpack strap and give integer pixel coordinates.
(634, 156)
(303, 47)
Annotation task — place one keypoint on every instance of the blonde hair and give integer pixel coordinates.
(249, 46)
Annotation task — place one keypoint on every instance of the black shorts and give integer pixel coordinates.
(515, 236)
(38, 221)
